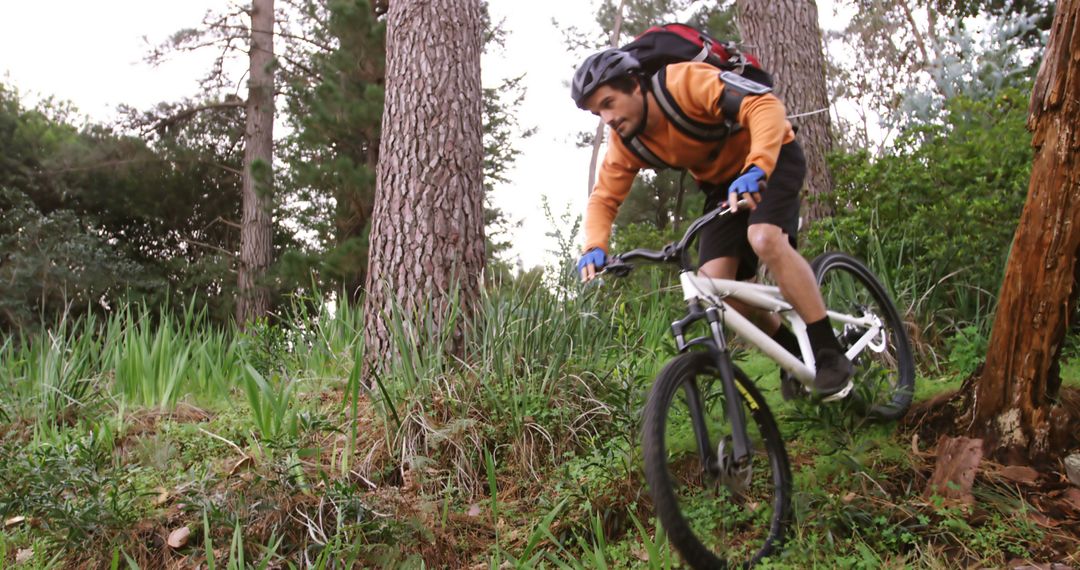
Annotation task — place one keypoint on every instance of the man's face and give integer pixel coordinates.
(620, 111)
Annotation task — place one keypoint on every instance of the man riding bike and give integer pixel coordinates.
(759, 145)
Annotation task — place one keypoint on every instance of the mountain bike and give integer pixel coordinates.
(714, 458)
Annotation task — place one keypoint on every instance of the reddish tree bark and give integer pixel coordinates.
(1013, 399)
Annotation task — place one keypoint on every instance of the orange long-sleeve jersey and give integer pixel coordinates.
(696, 88)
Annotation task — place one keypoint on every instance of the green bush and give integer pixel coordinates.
(936, 215)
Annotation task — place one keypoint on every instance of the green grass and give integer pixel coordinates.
(273, 450)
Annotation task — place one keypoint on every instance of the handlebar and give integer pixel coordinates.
(675, 252)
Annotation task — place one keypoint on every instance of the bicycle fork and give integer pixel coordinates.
(718, 462)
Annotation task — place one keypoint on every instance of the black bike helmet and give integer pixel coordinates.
(598, 69)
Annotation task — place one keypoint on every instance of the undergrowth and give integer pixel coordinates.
(268, 449)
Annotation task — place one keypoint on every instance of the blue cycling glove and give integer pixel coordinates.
(748, 182)
(595, 257)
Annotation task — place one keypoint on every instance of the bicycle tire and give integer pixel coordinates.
(681, 371)
(884, 381)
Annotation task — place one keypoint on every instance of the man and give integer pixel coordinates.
(763, 148)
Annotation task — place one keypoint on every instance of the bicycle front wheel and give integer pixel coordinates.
(885, 368)
(716, 512)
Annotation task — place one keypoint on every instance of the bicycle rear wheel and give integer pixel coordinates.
(884, 370)
(714, 516)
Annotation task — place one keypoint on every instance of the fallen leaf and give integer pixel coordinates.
(1043, 520)
(162, 498)
(246, 461)
(24, 555)
(1019, 474)
(1072, 497)
(13, 521)
(179, 537)
(474, 511)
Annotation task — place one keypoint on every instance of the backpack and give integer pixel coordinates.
(661, 45)
(672, 43)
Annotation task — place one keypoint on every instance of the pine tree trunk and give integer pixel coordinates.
(427, 236)
(1013, 406)
(257, 187)
(786, 37)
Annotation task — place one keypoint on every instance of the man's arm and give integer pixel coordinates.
(613, 183)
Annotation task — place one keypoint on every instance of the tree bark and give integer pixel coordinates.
(786, 37)
(1013, 403)
(256, 244)
(427, 236)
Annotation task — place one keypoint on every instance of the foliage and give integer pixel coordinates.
(937, 215)
(535, 429)
(900, 63)
(334, 104)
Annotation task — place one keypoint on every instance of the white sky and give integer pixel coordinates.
(91, 53)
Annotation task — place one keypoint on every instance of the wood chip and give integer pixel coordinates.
(14, 521)
(954, 473)
(1019, 474)
(179, 537)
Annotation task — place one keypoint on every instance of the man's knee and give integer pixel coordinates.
(768, 240)
(720, 268)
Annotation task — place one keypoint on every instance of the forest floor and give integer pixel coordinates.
(199, 486)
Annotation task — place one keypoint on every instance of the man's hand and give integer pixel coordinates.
(590, 263)
(746, 186)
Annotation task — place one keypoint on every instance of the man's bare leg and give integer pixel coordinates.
(796, 281)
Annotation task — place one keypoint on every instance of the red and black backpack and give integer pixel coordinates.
(672, 43)
(659, 46)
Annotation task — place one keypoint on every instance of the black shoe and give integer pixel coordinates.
(790, 388)
(833, 379)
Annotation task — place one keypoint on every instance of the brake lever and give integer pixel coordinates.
(617, 268)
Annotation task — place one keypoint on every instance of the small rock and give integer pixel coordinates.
(1072, 468)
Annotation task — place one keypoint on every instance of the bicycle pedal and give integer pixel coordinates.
(843, 393)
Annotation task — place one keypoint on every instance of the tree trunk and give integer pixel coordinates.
(1013, 405)
(786, 37)
(427, 236)
(257, 228)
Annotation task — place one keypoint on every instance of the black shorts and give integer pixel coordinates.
(779, 206)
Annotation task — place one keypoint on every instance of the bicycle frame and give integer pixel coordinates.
(697, 290)
(768, 298)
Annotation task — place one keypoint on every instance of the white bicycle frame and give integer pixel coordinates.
(767, 297)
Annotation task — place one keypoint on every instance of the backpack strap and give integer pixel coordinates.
(634, 145)
(736, 88)
(690, 127)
